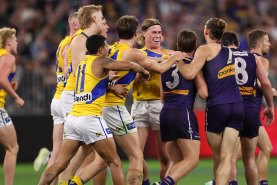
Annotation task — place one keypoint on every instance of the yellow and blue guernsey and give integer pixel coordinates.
(3, 93)
(61, 80)
(150, 89)
(90, 91)
(126, 77)
(70, 84)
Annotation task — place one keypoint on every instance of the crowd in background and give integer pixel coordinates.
(41, 25)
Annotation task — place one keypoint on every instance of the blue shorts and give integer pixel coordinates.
(178, 124)
(218, 117)
(251, 121)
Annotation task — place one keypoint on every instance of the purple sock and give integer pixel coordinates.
(214, 182)
(263, 182)
(146, 182)
(233, 183)
(168, 181)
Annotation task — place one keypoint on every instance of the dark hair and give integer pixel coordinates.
(127, 26)
(229, 38)
(95, 42)
(186, 40)
(216, 27)
(254, 37)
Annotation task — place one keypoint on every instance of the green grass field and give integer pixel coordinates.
(25, 175)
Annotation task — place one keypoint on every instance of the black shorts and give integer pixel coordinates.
(251, 121)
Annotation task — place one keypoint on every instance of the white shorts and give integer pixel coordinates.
(56, 111)
(87, 129)
(67, 99)
(5, 119)
(147, 113)
(119, 120)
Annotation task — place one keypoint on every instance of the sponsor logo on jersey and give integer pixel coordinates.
(226, 71)
(61, 79)
(84, 97)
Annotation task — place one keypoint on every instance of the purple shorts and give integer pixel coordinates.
(251, 121)
(218, 117)
(178, 124)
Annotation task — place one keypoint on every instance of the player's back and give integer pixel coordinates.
(178, 92)
(219, 73)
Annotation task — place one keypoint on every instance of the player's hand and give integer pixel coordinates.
(113, 75)
(19, 102)
(180, 56)
(14, 85)
(145, 75)
(268, 114)
(119, 90)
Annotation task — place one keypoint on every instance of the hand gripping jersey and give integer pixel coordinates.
(245, 64)
(70, 84)
(219, 74)
(126, 77)
(179, 93)
(90, 91)
(150, 89)
(3, 93)
(61, 80)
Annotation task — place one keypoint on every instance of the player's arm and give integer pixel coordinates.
(137, 56)
(6, 67)
(201, 85)
(65, 60)
(78, 50)
(267, 91)
(189, 71)
(161, 91)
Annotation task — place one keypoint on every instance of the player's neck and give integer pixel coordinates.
(156, 49)
(129, 42)
(257, 50)
(210, 41)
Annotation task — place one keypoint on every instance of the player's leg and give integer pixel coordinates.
(248, 147)
(106, 148)
(265, 146)
(68, 150)
(130, 145)
(235, 156)
(8, 140)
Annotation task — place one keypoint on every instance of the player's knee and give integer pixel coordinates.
(136, 156)
(13, 149)
(113, 161)
(103, 164)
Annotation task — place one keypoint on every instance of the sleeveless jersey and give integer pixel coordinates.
(90, 91)
(61, 80)
(3, 93)
(219, 74)
(245, 64)
(259, 92)
(179, 93)
(150, 89)
(70, 84)
(126, 77)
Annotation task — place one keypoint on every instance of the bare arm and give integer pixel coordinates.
(189, 71)
(201, 85)
(78, 50)
(65, 60)
(267, 91)
(6, 66)
(137, 56)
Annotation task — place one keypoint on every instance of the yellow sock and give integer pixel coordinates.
(76, 181)
(62, 182)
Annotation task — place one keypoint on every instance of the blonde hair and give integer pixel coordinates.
(147, 23)
(84, 15)
(5, 34)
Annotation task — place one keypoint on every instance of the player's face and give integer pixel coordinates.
(265, 45)
(13, 44)
(105, 50)
(105, 28)
(153, 36)
(100, 22)
(75, 23)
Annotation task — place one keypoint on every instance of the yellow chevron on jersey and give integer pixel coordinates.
(3, 93)
(126, 77)
(150, 89)
(90, 90)
(61, 80)
(70, 84)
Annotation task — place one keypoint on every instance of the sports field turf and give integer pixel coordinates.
(25, 175)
